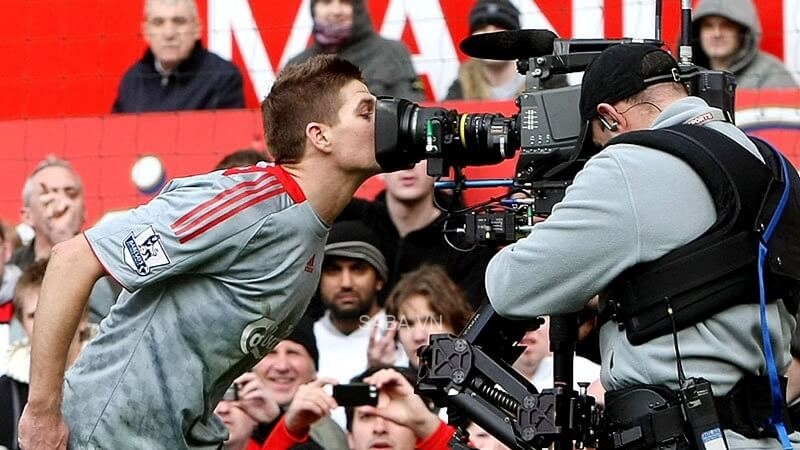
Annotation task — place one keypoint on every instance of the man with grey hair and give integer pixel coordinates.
(53, 206)
(176, 72)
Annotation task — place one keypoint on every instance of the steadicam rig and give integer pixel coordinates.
(458, 372)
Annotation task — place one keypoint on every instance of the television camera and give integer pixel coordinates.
(471, 374)
(546, 130)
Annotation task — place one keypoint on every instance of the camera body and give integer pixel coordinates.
(545, 131)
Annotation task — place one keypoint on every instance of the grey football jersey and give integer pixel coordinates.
(219, 268)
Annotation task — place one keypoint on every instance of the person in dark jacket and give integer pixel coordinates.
(176, 72)
(344, 27)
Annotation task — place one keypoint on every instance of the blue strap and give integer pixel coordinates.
(776, 419)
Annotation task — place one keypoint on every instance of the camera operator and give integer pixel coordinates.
(630, 205)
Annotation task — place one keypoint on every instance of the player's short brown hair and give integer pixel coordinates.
(304, 93)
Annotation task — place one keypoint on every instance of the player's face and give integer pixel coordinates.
(56, 208)
(354, 134)
(373, 432)
(284, 369)
(349, 287)
(334, 12)
(416, 323)
(410, 185)
(171, 29)
(719, 37)
(239, 424)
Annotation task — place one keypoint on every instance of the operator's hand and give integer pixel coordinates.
(382, 349)
(309, 404)
(597, 391)
(255, 400)
(41, 429)
(398, 402)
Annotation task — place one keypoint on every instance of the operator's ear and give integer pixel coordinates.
(318, 134)
(610, 118)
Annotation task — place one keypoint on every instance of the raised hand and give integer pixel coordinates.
(309, 404)
(382, 348)
(255, 400)
(400, 404)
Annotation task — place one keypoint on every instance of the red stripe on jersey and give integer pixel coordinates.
(228, 214)
(289, 183)
(219, 198)
(220, 206)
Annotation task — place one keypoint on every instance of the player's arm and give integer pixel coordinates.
(71, 273)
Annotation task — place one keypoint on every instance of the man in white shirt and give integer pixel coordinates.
(353, 273)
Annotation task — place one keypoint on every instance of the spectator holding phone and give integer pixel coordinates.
(283, 372)
(239, 423)
(401, 420)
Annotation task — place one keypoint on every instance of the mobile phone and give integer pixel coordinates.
(355, 394)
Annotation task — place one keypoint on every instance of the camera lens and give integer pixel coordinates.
(406, 133)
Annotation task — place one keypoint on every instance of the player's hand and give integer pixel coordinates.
(309, 404)
(382, 349)
(254, 398)
(42, 430)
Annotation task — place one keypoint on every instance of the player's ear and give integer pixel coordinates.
(317, 133)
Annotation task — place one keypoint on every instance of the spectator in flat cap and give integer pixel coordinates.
(353, 274)
(291, 364)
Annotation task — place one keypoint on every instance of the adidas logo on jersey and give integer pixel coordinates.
(310, 264)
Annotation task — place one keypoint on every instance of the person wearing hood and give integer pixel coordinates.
(344, 27)
(726, 36)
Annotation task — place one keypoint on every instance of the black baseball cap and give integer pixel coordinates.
(619, 72)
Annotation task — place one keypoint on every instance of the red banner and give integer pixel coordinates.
(66, 58)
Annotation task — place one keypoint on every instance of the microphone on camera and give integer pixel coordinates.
(509, 45)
